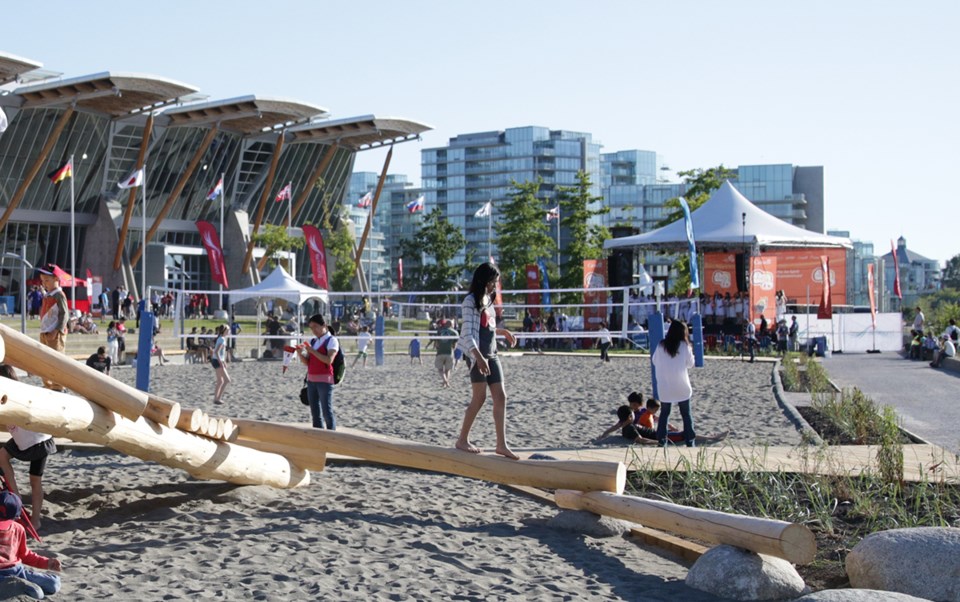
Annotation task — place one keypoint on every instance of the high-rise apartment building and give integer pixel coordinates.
(480, 167)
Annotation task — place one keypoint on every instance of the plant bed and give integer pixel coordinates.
(834, 434)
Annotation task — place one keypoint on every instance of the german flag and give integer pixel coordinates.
(62, 173)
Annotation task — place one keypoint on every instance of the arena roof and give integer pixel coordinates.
(360, 133)
(114, 94)
(245, 114)
(11, 66)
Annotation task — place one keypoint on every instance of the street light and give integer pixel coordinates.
(24, 264)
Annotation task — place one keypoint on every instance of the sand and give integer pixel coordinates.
(127, 529)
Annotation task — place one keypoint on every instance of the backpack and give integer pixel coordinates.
(339, 367)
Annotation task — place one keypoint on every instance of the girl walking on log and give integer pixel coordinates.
(478, 342)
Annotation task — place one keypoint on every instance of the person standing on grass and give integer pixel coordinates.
(672, 359)
(478, 341)
(218, 359)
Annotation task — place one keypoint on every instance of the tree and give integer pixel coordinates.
(339, 243)
(700, 183)
(951, 273)
(585, 241)
(523, 234)
(276, 240)
(440, 241)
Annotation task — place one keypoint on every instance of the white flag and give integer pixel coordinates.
(553, 214)
(485, 211)
(3, 121)
(133, 180)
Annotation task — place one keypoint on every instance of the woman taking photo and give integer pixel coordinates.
(318, 356)
(671, 360)
(478, 342)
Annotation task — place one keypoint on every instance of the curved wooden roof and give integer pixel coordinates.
(12, 65)
(360, 133)
(245, 115)
(113, 94)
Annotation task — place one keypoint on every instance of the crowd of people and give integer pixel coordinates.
(925, 345)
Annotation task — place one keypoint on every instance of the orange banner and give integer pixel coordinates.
(719, 273)
(763, 289)
(594, 276)
(797, 269)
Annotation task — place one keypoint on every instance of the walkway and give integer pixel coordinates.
(927, 400)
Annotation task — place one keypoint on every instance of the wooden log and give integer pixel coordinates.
(76, 418)
(303, 458)
(190, 420)
(549, 474)
(25, 353)
(789, 541)
(230, 430)
(162, 411)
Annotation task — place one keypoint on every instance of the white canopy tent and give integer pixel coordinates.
(279, 285)
(727, 220)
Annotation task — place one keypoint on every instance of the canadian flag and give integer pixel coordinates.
(318, 256)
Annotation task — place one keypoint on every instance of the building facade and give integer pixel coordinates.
(918, 276)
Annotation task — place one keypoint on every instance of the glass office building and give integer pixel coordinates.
(480, 167)
(110, 124)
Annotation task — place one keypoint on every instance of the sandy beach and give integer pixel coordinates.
(127, 529)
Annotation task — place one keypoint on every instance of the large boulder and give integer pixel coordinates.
(857, 595)
(731, 572)
(922, 562)
(588, 523)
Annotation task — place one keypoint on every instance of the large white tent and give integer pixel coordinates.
(728, 220)
(279, 285)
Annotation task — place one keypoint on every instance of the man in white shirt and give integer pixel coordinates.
(948, 349)
(918, 321)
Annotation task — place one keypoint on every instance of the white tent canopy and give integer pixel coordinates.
(279, 285)
(728, 219)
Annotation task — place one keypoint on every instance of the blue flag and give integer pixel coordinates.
(546, 284)
(694, 272)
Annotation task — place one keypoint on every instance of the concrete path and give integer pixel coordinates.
(927, 400)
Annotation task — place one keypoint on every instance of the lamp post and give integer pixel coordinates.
(24, 264)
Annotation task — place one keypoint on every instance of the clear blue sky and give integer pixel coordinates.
(868, 89)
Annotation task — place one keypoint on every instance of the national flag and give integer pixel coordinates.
(3, 121)
(318, 255)
(416, 204)
(896, 272)
(485, 211)
(825, 311)
(132, 181)
(691, 245)
(211, 242)
(366, 200)
(285, 194)
(62, 173)
(553, 214)
(216, 191)
(400, 273)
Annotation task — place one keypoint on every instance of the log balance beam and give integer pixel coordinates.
(303, 444)
(64, 415)
(792, 542)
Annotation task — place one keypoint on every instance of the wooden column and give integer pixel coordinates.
(320, 169)
(35, 167)
(267, 185)
(68, 416)
(132, 194)
(175, 194)
(761, 535)
(549, 474)
(29, 355)
(373, 210)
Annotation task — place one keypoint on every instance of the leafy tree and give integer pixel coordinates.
(585, 241)
(523, 235)
(440, 241)
(938, 309)
(276, 240)
(951, 273)
(700, 183)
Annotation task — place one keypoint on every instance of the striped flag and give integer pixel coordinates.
(132, 181)
(217, 190)
(366, 200)
(416, 204)
(285, 194)
(61, 173)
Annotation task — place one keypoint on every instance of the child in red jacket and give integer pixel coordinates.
(15, 559)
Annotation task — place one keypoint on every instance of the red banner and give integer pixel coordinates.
(595, 302)
(211, 242)
(533, 282)
(318, 256)
(763, 289)
(825, 311)
(896, 272)
(871, 294)
(400, 273)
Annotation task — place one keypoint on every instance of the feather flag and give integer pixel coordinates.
(216, 191)
(211, 242)
(62, 173)
(318, 255)
(691, 245)
(896, 272)
(416, 204)
(133, 180)
(365, 201)
(285, 194)
(825, 311)
(400, 273)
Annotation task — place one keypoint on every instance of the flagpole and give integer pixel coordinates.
(73, 243)
(223, 193)
(143, 239)
(490, 230)
(558, 240)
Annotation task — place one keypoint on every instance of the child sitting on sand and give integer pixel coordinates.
(14, 553)
(639, 425)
